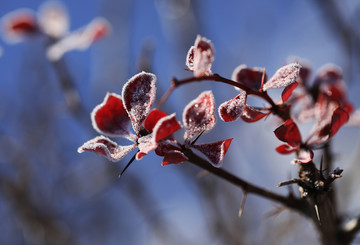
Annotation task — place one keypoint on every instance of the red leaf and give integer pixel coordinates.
(200, 57)
(139, 155)
(289, 133)
(153, 117)
(283, 77)
(250, 114)
(285, 149)
(174, 157)
(110, 117)
(339, 118)
(165, 127)
(215, 151)
(288, 91)
(138, 95)
(250, 77)
(172, 154)
(107, 148)
(231, 110)
(19, 24)
(199, 115)
(165, 147)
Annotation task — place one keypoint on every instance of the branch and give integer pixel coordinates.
(290, 202)
(217, 78)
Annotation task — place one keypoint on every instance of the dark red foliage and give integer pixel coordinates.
(289, 132)
(288, 91)
(250, 77)
(153, 117)
(110, 117)
(250, 114)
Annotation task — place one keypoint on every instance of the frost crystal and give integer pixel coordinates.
(200, 57)
(283, 77)
(101, 145)
(231, 110)
(138, 95)
(199, 115)
(215, 151)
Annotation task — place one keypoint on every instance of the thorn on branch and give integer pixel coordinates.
(242, 204)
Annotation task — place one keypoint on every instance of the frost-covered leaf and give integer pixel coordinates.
(250, 114)
(215, 151)
(200, 57)
(285, 149)
(138, 95)
(165, 127)
(53, 19)
(110, 118)
(153, 117)
(199, 115)
(289, 133)
(288, 91)
(18, 25)
(250, 77)
(80, 39)
(231, 110)
(103, 146)
(283, 77)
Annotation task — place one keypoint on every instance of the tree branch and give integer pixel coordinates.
(289, 201)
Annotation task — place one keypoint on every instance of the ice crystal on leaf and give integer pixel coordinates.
(138, 95)
(231, 110)
(103, 146)
(215, 151)
(283, 77)
(200, 57)
(199, 115)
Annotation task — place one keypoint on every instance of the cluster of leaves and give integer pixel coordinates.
(325, 101)
(52, 21)
(153, 128)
